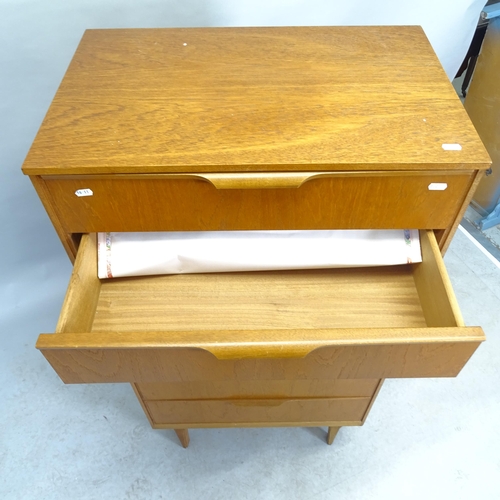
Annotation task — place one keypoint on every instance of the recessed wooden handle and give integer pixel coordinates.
(261, 180)
(258, 402)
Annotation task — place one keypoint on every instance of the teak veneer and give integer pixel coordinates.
(257, 128)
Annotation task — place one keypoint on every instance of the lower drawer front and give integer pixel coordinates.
(254, 389)
(258, 411)
(376, 200)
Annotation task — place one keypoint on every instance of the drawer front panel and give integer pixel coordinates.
(97, 358)
(207, 389)
(247, 411)
(163, 203)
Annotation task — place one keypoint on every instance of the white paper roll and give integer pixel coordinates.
(139, 254)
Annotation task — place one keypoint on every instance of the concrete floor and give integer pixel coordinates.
(424, 438)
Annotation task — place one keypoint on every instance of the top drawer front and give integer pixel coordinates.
(375, 200)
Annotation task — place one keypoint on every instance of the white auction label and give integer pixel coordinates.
(437, 186)
(84, 192)
(452, 147)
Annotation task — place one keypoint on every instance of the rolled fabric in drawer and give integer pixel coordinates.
(140, 254)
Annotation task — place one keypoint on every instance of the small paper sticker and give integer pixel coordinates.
(84, 192)
(437, 186)
(452, 147)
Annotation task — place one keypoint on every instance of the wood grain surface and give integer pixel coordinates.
(254, 99)
(230, 389)
(332, 432)
(51, 208)
(313, 299)
(183, 435)
(343, 201)
(333, 354)
(435, 292)
(80, 303)
(256, 411)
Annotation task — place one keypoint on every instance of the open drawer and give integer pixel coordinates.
(329, 324)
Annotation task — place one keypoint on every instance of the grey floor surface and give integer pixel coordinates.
(424, 438)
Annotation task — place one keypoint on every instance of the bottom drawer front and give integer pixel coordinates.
(258, 411)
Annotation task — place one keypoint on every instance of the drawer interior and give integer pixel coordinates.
(364, 323)
(374, 297)
(327, 298)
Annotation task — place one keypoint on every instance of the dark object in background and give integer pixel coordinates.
(470, 60)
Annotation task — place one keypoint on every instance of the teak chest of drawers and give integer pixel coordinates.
(257, 128)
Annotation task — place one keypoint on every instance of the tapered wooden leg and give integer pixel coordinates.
(183, 435)
(332, 432)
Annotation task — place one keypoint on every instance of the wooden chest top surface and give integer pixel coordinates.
(254, 99)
